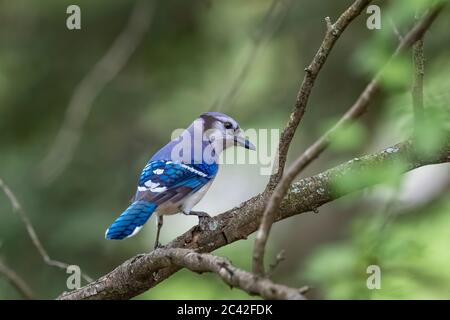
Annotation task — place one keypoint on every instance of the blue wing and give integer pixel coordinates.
(169, 174)
(160, 182)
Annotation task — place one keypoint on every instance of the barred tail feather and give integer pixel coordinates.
(131, 220)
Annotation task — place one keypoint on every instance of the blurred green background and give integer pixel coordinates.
(186, 61)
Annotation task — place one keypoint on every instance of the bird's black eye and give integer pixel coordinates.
(228, 125)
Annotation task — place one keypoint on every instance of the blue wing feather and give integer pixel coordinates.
(173, 173)
(133, 217)
(160, 181)
(172, 180)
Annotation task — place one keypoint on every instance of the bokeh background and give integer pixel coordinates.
(187, 61)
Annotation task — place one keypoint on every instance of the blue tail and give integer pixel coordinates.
(131, 220)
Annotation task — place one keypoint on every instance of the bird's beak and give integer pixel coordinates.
(244, 142)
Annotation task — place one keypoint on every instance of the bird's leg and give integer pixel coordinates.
(199, 214)
(204, 219)
(159, 224)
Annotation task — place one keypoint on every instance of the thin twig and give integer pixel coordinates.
(17, 208)
(358, 108)
(333, 32)
(138, 274)
(16, 281)
(80, 105)
(270, 24)
(278, 259)
(387, 216)
(417, 87)
(397, 32)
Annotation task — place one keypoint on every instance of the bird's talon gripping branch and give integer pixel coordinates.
(205, 221)
(199, 214)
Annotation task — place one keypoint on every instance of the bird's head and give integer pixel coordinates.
(223, 131)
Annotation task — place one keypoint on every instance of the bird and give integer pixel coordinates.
(178, 176)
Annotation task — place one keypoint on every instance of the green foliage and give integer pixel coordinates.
(412, 252)
(349, 137)
(187, 60)
(388, 173)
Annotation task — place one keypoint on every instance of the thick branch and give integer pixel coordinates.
(234, 277)
(358, 108)
(333, 32)
(142, 272)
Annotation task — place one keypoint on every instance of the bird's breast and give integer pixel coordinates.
(190, 201)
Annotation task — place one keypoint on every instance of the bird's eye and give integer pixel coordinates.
(228, 125)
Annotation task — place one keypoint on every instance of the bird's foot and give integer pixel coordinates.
(199, 214)
(158, 245)
(205, 221)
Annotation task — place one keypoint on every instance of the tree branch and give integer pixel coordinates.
(417, 88)
(203, 262)
(17, 208)
(142, 272)
(358, 108)
(332, 34)
(80, 104)
(270, 23)
(18, 283)
(396, 31)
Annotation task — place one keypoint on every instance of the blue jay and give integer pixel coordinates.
(177, 176)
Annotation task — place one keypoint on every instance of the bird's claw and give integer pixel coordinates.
(203, 215)
(205, 221)
(158, 245)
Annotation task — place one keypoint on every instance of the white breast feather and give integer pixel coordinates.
(195, 198)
